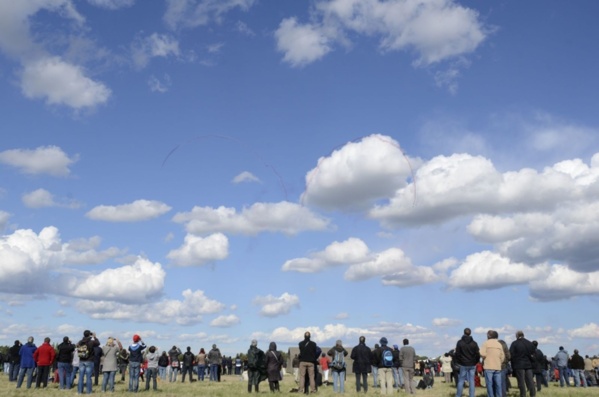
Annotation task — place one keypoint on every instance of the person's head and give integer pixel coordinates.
(30, 339)
(322, 355)
(174, 347)
(467, 331)
(383, 341)
(575, 351)
(272, 346)
(152, 349)
(561, 348)
(18, 342)
(109, 342)
(519, 334)
(202, 351)
(189, 348)
(495, 335)
(214, 346)
(491, 334)
(136, 338)
(446, 354)
(376, 346)
(164, 354)
(395, 347)
(406, 342)
(254, 343)
(362, 339)
(87, 333)
(307, 335)
(46, 340)
(65, 339)
(535, 343)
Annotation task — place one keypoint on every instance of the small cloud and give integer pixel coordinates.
(50, 160)
(273, 306)
(445, 322)
(342, 316)
(160, 86)
(139, 210)
(198, 251)
(41, 198)
(225, 321)
(215, 48)
(244, 29)
(245, 176)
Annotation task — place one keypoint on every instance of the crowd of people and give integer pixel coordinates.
(391, 367)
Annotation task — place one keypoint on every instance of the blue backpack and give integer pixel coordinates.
(387, 357)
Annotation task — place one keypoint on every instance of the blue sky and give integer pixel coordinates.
(203, 171)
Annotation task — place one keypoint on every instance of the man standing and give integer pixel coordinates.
(383, 356)
(467, 355)
(64, 359)
(539, 366)
(136, 357)
(85, 351)
(255, 366)
(561, 359)
(44, 358)
(27, 362)
(15, 361)
(522, 350)
(362, 356)
(214, 359)
(504, 366)
(188, 358)
(492, 353)
(577, 365)
(307, 357)
(407, 354)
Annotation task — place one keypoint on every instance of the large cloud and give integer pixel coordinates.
(283, 217)
(274, 306)
(434, 30)
(198, 251)
(139, 210)
(50, 160)
(358, 173)
(43, 75)
(190, 310)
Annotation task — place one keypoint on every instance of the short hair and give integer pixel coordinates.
(47, 339)
(535, 343)
(491, 334)
(307, 334)
(362, 339)
(30, 339)
(65, 339)
(406, 342)
(575, 351)
(519, 334)
(467, 331)
(86, 333)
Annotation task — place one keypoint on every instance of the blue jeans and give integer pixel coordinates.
(64, 375)
(151, 375)
(375, 375)
(108, 380)
(22, 372)
(466, 373)
(173, 374)
(14, 371)
(134, 376)
(579, 378)
(201, 372)
(339, 381)
(214, 372)
(86, 370)
(504, 382)
(563, 376)
(73, 374)
(493, 381)
(162, 373)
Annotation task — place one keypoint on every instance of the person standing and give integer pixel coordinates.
(174, 354)
(492, 353)
(152, 358)
(15, 361)
(274, 363)
(307, 358)
(384, 357)
(407, 355)
(467, 355)
(589, 371)
(362, 357)
(27, 362)
(255, 366)
(188, 359)
(110, 352)
(338, 354)
(577, 365)
(201, 361)
(446, 367)
(522, 350)
(44, 358)
(561, 359)
(539, 365)
(323, 361)
(136, 357)
(504, 366)
(214, 359)
(64, 360)
(162, 365)
(85, 351)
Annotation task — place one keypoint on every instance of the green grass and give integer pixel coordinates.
(232, 386)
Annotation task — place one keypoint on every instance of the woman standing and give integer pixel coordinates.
(110, 352)
(274, 362)
(337, 366)
(201, 361)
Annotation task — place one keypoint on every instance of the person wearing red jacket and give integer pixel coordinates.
(44, 358)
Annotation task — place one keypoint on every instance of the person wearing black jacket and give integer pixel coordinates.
(188, 358)
(539, 365)
(64, 358)
(14, 359)
(307, 357)
(362, 356)
(467, 355)
(522, 352)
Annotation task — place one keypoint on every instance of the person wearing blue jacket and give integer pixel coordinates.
(136, 357)
(27, 362)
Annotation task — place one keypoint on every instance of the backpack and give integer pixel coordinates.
(83, 351)
(339, 361)
(387, 357)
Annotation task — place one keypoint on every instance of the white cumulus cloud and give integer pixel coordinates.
(198, 251)
(50, 160)
(274, 306)
(225, 321)
(139, 210)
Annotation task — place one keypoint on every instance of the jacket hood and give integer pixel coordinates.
(466, 338)
(272, 346)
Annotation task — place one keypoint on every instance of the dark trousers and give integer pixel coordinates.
(362, 382)
(524, 377)
(187, 369)
(42, 376)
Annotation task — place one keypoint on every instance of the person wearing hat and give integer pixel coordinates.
(135, 359)
(383, 359)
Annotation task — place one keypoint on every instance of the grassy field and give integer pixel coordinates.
(233, 386)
